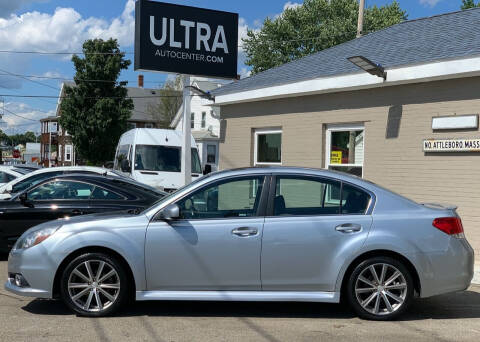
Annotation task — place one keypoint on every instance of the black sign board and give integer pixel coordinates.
(185, 40)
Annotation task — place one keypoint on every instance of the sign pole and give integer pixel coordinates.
(186, 142)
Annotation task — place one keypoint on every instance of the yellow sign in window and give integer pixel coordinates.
(336, 157)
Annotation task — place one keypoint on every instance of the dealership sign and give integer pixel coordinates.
(451, 145)
(185, 40)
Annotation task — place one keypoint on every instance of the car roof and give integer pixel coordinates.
(99, 179)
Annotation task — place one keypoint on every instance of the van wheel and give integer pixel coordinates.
(380, 288)
(94, 284)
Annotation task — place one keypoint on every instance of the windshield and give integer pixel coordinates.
(163, 158)
(22, 171)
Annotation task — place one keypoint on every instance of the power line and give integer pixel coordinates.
(25, 78)
(93, 97)
(9, 111)
(78, 80)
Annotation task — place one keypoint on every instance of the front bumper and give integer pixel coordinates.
(25, 291)
(38, 269)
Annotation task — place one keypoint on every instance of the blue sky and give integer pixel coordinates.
(62, 25)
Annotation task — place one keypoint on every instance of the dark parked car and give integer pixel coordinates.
(70, 195)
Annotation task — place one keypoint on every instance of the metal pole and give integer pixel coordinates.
(360, 18)
(186, 142)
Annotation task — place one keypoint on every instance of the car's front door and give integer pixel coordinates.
(216, 243)
(45, 202)
(313, 225)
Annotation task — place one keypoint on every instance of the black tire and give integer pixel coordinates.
(384, 313)
(120, 295)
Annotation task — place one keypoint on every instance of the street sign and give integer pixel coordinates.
(185, 40)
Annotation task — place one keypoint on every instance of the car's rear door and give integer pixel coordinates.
(313, 225)
(216, 243)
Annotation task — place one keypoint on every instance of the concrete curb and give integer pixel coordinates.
(476, 274)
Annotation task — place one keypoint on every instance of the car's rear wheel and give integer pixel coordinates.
(380, 288)
(94, 284)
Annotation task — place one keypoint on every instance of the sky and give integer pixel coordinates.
(63, 25)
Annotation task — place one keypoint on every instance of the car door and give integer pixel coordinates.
(45, 202)
(216, 242)
(313, 224)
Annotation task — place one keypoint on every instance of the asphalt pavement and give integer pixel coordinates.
(451, 317)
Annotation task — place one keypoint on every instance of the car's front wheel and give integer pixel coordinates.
(380, 288)
(94, 284)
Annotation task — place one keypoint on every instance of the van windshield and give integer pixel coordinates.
(163, 158)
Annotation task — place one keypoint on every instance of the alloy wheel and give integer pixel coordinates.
(93, 285)
(381, 289)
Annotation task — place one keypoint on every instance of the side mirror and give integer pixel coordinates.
(126, 166)
(24, 200)
(207, 169)
(170, 212)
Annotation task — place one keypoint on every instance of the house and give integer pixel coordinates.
(56, 144)
(205, 123)
(415, 132)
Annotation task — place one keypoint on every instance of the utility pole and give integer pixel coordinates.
(360, 18)
(186, 165)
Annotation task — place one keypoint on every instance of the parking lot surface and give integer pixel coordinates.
(452, 317)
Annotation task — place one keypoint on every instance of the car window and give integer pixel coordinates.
(61, 190)
(310, 196)
(35, 179)
(306, 196)
(354, 200)
(224, 199)
(6, 177)
(103, 194)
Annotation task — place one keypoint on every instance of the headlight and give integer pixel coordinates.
(34, 238)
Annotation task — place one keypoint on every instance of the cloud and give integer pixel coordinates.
(9, 6)
(290, 4)
(16, 124)
(63, 31)
(430, 3)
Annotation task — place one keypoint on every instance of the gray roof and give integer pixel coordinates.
(141, 102)
(446, 36)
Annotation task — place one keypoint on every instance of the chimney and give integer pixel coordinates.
(140, 81)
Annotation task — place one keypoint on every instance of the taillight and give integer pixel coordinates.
(450, 225)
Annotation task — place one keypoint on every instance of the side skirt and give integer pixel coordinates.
(249, 296)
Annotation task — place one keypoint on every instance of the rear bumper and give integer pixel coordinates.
(447, 271)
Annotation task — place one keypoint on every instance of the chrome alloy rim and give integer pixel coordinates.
(381, 289)
(94, 285)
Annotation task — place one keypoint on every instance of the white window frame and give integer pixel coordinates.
(328, 142)
(68, 151)
(255, 147)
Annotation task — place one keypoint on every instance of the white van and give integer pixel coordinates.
(153, 156)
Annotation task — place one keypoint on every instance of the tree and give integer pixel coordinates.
(96, 113)
(169, 102)
(314, 26)
(466, 4)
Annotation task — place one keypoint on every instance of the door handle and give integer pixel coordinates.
(348, 228)
(77, 212)
(245, 231)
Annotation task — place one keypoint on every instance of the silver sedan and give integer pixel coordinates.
(257, 234)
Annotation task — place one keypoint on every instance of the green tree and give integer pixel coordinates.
(170, 100)
(96, 113)
(466, 4)
(314, 26)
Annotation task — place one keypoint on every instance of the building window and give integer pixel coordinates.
(192, 120)
(211, 154)
(131, 125)
(204, 118)
(345, 148)
(68, 153)
(268, 147)
(149, 125)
